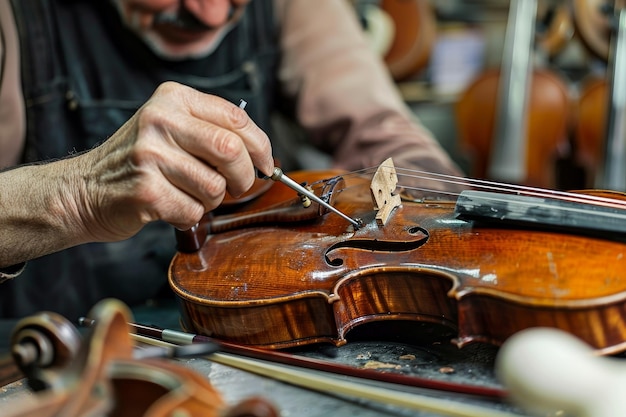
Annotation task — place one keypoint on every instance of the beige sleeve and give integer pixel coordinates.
(345, 96)
(12, 115)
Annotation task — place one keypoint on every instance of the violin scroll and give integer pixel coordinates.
(99, 376)
(42, 346)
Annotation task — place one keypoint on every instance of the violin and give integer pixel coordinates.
(101, 375)
(414, 36)
(513, 120)
(276, 274)
(403, 32)
(593, 24)
(590, 128)
(544, 134)
(601, 105)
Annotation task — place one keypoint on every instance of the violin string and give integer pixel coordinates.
(524, 190)
(488, 185)
(482, 184)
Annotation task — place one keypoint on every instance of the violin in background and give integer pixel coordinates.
(600, 130)
(513, 121)
(403, 32)
(590, 126)
(592, 19)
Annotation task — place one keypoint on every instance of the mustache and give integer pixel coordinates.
(184, 19)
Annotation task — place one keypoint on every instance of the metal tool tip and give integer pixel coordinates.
(276, 174)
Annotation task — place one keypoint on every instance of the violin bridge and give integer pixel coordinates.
(383, 188)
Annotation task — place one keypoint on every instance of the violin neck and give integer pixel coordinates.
(541, 212)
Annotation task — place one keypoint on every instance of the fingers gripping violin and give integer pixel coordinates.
(101, 376)
(493, 261)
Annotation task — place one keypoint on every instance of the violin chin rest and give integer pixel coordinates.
(547, 370)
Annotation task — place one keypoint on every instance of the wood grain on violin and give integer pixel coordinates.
(283, 285)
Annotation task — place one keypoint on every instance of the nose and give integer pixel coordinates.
(210, 12)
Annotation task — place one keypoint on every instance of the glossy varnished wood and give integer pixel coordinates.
(546, 123)
(286, 285)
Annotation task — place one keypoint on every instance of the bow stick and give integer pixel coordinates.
(183, 338)
(318, 381)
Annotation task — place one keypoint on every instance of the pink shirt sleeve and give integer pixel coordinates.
(345, 96)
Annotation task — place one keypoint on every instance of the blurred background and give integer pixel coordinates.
(517, 90)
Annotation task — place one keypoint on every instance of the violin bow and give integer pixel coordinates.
(320, 382)
(183, 338)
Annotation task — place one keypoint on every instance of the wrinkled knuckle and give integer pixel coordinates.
(229, 146)
(154, 126)
(150, 117)
(182, 218)
(239, 118)
(171, 93)
(146, 195)
(215, 189)
(143, 153)
(168, 87)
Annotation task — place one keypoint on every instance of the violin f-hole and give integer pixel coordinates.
(416, 237)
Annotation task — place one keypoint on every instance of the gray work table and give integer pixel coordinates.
(428, 358)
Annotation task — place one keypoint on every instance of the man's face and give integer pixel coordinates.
(178, 29)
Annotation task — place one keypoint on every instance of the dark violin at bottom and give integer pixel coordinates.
(314, 278)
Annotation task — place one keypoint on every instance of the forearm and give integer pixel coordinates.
(37, 211)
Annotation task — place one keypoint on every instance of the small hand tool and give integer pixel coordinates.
(278, 175)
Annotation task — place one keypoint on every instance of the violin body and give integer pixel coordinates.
(286, 285)
(546, 124)
(414, 36)
(591, 125)
(593, 24)
(402, 32)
